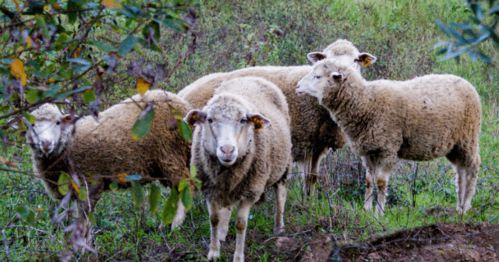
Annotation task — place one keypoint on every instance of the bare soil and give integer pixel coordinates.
(441, 242)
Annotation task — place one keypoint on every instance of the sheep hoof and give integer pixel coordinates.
(462, 210)
(213, 255)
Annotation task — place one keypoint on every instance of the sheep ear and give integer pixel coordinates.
(195, 116)
(315, 57)
(365, 59)
(258, 120)
(337, 76)
(67, 119)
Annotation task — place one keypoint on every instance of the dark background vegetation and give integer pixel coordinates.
(224, 36)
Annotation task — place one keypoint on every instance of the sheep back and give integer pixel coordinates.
(105, 147)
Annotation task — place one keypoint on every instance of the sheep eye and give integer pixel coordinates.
(210, 120)
(58, 122)
(317, 77)
(243, 121)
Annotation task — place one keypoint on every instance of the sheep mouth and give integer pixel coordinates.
(46, 151)
(227, 161)
(300, 93)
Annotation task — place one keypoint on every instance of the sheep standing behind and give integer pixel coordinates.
(313, 132)
(419, 119)
(102, 150)
(241, 146)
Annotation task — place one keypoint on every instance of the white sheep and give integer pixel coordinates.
(102, 150)
(312, 130)
(419, 119)
(241, 146)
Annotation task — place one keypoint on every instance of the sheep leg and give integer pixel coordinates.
(467, 178)
(368, 195)
(241, 225)
(460, 187)
(281, 194)
(471, 178)
(382, 178)
(213, 210)
(305, 174)
(179, 215)
(314, 172)
(223, 223)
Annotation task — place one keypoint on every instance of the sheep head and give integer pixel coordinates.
(227, 126)
(344, 52)
(51, 131)
(326, 77)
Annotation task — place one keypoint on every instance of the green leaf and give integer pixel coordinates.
(88, 96)
(40, 22)
(53, 90)
(113, 186)
(174, 23)
(80, 64)
(183, 185)
(31, 119)
(127, 45)
(154, 197)
(75, 91)
(33, 95)
(194, 170)
(72, 6)
(137, 194)
(143, 123)
(63, 183)
(105, 47)
(83, 194)
(91, 217)
(170, 207)
(187, 198)
(61, 41)
(185, 130)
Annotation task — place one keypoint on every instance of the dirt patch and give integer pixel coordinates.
(441, 242)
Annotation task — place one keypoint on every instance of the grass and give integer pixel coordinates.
(230, 36)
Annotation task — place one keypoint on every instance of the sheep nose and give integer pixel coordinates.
(227, 149)
(45, 145)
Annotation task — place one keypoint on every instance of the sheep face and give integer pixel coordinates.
(325, 76)
(50, 131)
(227, 128)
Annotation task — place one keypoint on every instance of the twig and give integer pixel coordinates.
(413, 191)
(6, 245)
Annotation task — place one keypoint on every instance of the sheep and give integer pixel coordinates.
(241, 146)
(313, 132)
(103, 150)
(419, 119)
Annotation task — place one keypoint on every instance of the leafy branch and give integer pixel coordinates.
(467, 37)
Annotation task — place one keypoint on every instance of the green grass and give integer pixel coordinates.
(400, 33)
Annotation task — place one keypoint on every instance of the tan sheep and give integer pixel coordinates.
(241, 147)
(103, 150)
(313, 132)
(419, 119)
